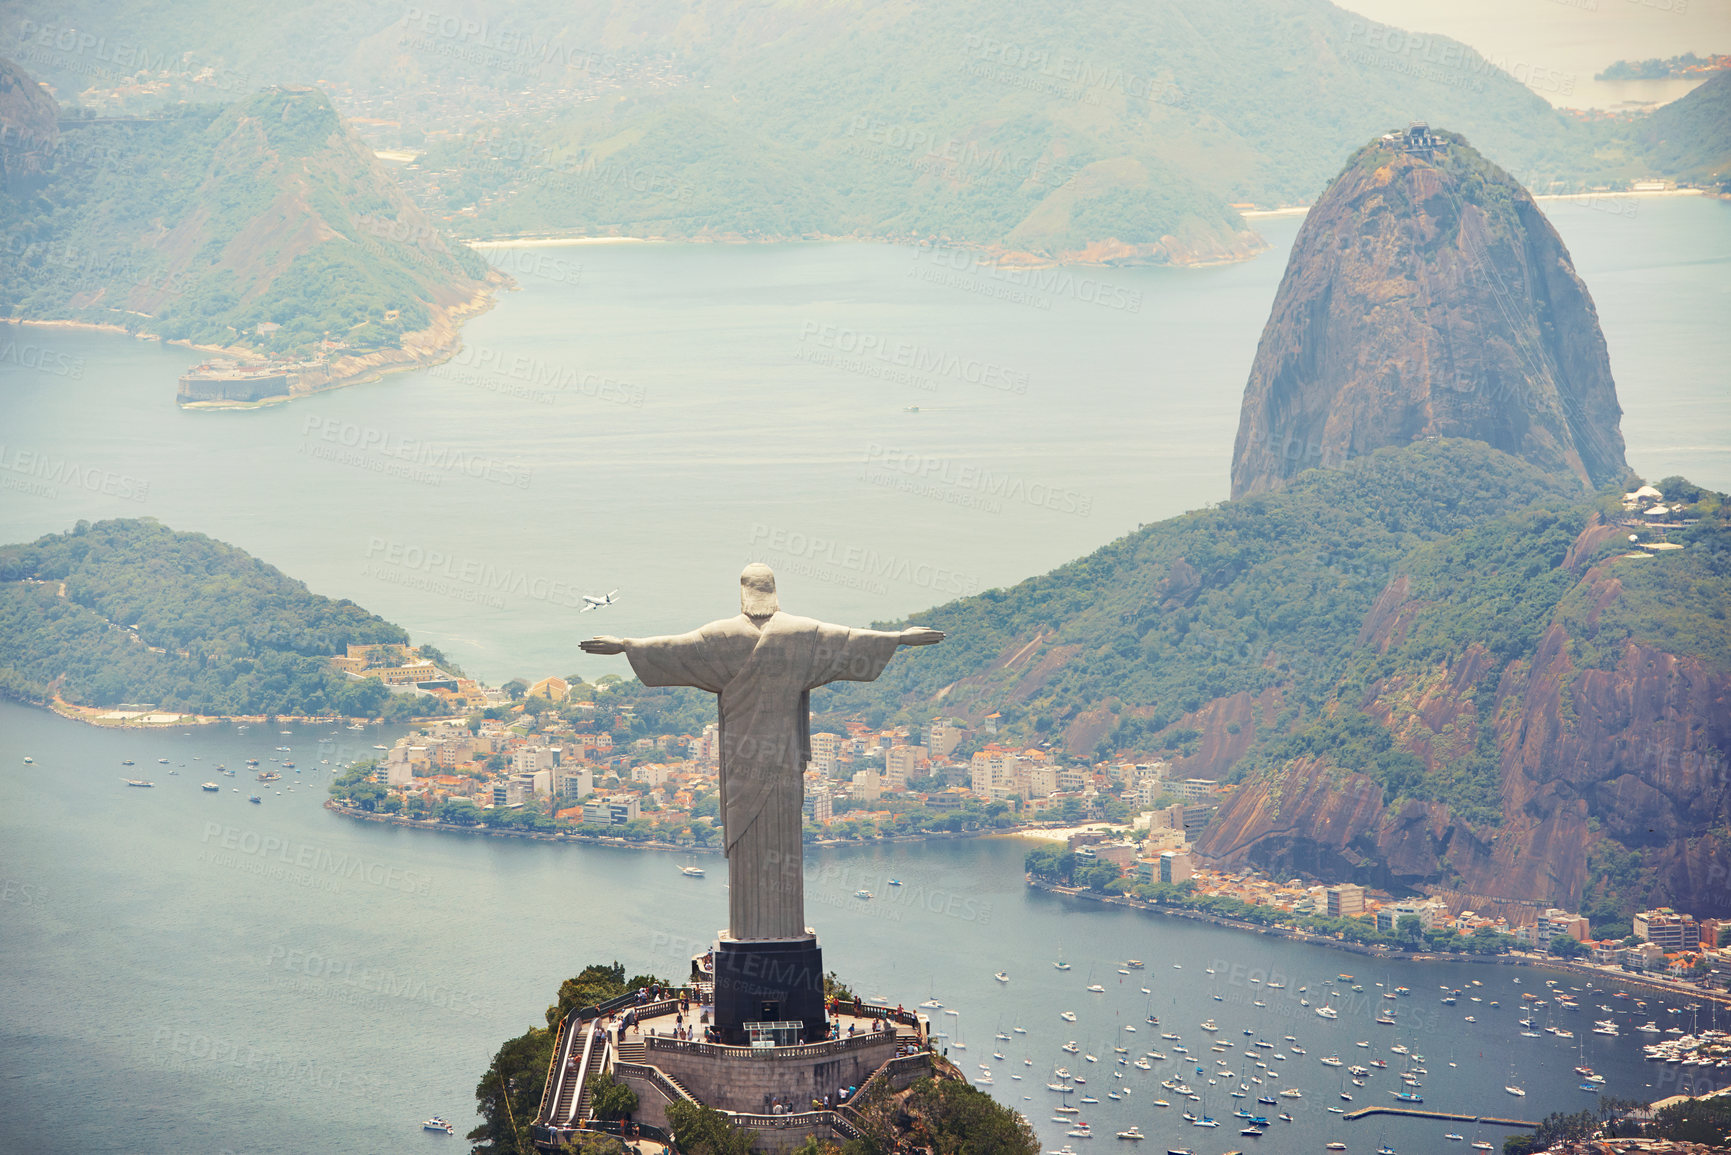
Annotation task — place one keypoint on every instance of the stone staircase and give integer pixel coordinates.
(631, 1052)
(681, 1087)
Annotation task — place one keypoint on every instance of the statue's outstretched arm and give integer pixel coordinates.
(919, 636)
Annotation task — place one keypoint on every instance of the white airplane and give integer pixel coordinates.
(595, 603)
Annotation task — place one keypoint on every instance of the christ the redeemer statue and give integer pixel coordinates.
(763, 665)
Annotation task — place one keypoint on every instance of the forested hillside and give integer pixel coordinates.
(131, 611)
(1236, 599)
(1690, 139)
(1433, 668)
(264, 225)
(1123, 131)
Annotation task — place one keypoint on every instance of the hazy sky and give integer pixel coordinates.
(1570, 37)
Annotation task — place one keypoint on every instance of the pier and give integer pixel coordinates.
(1363, 1112)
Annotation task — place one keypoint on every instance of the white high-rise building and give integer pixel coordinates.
(826, 753)
(942, 738)
(904, 762)
(577, 782)
(529, 759)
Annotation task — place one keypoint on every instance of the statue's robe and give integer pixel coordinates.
(764, 675)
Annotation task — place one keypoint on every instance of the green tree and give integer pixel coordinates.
(1564, 946)
(610, 1098)
(593, 1143)
(509, 1094)
(592, 986)
(1054, 863)
(705, 1131)
(956, 1119)
(1697, 1121)
(1096, 876)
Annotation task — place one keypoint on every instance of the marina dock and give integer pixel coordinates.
(1410, 1112)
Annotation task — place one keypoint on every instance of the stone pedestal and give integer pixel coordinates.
(768, 980)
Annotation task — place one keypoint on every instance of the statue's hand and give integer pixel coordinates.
(603, 645)
(920, 636)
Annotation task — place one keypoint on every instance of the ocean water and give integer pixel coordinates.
(187, 972)
(647, 418)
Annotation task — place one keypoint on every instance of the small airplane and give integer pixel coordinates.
(590, 602)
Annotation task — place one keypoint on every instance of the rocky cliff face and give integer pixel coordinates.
(1631, 748)
(1427, 296)
(29, 133)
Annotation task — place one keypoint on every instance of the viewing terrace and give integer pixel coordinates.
(782, 1094)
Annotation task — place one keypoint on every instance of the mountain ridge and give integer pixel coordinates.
(1128, 132)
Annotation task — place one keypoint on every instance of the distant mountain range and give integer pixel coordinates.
(1127, 131)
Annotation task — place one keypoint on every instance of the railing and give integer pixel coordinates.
(873, 1011)
(831, 1119)
(653, 1010)
(879, 1079)
(770, 1054)
(632, 1131)
(617, 1002)
(658, 1078)
(556, 1071)
(580, 1097)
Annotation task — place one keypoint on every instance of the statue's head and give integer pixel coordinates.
(757, 591)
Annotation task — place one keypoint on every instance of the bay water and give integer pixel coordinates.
(889, 427)
(189, 972)
(648, 418)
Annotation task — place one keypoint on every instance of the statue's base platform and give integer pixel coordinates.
(780, 1095)
(768, 981)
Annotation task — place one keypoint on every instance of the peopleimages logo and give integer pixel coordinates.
(489, 583)
(317, 861)
(867, 562)
(41, 358)
(364, 441)
(40, 472)
(931, 476)
(1036, 285)
(94, 55)
(911, 356)
(545, 377)
(344, 975)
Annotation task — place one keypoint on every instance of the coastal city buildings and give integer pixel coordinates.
(1345, 900)
(1666, 929)
(587, 768)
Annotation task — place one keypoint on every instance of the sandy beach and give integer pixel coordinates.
(558, 242)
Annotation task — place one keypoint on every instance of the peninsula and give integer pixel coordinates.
(225, 228)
